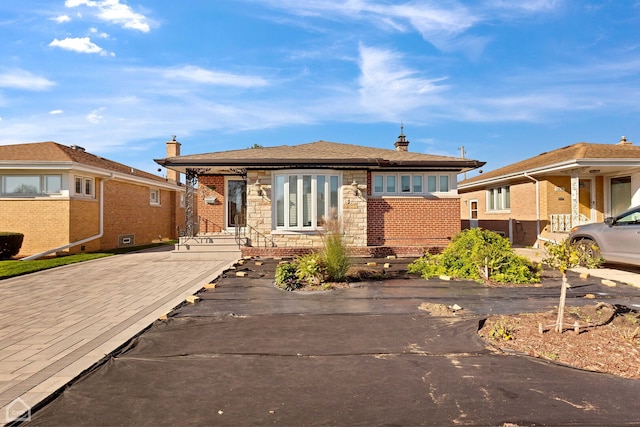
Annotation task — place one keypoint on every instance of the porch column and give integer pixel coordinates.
(192, 180)
(575, 198)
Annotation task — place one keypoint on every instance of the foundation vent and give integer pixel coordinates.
(126, 240)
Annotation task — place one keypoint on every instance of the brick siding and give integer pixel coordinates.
(127, 210)
(43, 222)
(212, 216)
(415, 221)
(48, 223)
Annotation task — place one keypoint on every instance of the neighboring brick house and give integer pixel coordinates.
(58, 195)
(546, 195)
(389, 201)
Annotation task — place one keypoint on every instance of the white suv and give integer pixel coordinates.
(617, 238)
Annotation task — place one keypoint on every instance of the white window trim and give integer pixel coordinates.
(42, 191)
(425, 190)
(279, 229)
(84, 180)
(493, 194)
(157, 201)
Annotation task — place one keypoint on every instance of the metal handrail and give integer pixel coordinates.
(241, 235)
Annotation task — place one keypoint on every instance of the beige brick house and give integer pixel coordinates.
(58, 196)
(546, 195)
(277, 198)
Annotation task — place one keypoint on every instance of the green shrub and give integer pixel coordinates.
(309, 269)
(479, 255)
(10, 244)
(501, 331)
(427, 266)
(286, 276)
(335, 254)
(563, 256)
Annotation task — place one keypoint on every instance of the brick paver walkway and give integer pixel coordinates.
(57, 323)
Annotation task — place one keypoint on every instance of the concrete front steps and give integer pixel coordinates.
(548, 236)
(206, 247)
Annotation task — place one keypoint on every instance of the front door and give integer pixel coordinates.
(473, 213)
(236, 205)
(585, 200)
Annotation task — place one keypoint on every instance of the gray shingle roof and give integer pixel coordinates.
(318, 154)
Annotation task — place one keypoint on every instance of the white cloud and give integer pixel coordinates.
(22, 79)
(115, 12)
(95, 117)
(200, 75)
(526, 6)
(54, 112)
(389, 88)
(437, 22)
(440, 22)
(74, 3)
(78, 44)
(95, 31)
(61, 19)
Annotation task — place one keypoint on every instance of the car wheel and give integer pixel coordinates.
(588, 247)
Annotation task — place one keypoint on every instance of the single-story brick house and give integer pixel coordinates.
(277, 198)
(546, 195)
(59, 196)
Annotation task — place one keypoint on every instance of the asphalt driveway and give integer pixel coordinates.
(248, 353)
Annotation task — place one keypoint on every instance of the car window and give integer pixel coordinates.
(632, 218)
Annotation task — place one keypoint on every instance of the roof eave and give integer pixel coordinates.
(557, 167)
(369, 163)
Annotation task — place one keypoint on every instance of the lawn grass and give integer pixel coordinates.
(12, 268)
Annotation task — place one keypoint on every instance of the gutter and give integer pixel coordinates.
(526, 175)
(79, 242)
(352, 162)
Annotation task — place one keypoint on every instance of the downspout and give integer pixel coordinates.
(79, 242)
(526, 175)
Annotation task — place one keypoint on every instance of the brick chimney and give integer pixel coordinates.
(402, 144)
(623, 141)
(173, 150)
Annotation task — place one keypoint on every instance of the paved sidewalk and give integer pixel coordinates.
(57, 323)
(625, 274)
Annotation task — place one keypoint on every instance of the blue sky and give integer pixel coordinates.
(505, 79)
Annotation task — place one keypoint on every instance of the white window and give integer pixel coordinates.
(52, 184)
(378, 186)
(417, 183)
(182, 200)
(406, 184)
(31, 185)
(499, 199)
(154, 196)
(83, 186)
(304, 200)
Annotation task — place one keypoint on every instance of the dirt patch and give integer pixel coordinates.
(607, 337)
(440, 310)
